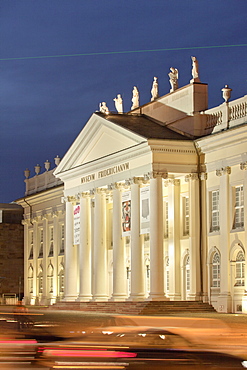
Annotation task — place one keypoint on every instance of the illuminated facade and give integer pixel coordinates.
(152, 207)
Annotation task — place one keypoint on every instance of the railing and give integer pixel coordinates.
(226, 115)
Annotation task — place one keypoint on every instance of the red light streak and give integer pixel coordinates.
(90, 353)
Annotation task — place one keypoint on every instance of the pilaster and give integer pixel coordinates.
(224, 299)
(119, 268)
(194, 238)
(174, 238)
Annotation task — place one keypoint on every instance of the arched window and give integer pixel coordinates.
(240, 262)
(40, 280)
(61, 280)
(50, 272)
(215, 282)
(30, 279)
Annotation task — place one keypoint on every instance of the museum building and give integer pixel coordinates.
(145, 205)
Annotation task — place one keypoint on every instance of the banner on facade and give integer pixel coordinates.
(77, 224)
(145, 209)
(126, 213)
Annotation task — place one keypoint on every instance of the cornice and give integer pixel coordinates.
(228, 138)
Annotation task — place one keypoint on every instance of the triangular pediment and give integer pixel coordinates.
(98, 139)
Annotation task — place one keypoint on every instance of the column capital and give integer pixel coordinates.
(54, 214)
(191, 176)
(223, 171)
(203, 176)
(243, 166)
(101, 190)
(156, 174)
(175, 182)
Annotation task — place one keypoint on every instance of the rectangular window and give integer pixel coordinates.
(186, 220)
(41, 243)
(215, 220)
(62, 239)
(31, 245)
(51, 231)
(239, 207)
(216, 275)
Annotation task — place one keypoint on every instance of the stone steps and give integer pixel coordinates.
(158, 308)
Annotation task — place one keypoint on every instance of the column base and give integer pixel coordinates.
(70, 298)
(244, 303)
(224, 303)
(84, 298)
(118, 297)
(100, 298)
(136, 297)
(157, 297)
(174, 297)
(194, 297)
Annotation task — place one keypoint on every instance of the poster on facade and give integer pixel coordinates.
(126, 213)
(145, 209)
(77, 224)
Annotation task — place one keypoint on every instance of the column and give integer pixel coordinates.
(35, 259)
(26, 265)
(137, 287)
(194, 238)
(243, 166)
(100, 251)
(119, 268)
(55, 255)
(174, 239)
(44, 297)
(156, 239)
(204, 244)
(70, 255)
(85, 293)
(225, 299)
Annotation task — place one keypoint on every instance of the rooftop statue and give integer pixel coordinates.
(195, 70)
(173, 75)
(135, 98)
(103, 108)
(119, 103)
(155, 89)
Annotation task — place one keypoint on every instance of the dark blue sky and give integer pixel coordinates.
(45, 102)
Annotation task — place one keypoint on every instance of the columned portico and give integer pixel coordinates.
(100, 251)
(137, 251)
(156, 238)
(71, 291)
(85, 253)
(119, 255)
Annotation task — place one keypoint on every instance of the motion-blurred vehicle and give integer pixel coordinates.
(133, 348)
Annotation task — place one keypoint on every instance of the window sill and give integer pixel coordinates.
(238, 229)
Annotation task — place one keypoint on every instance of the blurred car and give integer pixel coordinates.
(133, 348)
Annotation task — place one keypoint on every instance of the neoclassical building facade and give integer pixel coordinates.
(145, 205)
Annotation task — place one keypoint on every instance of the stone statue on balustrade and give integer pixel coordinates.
(135, 98)
(155, 89)
(119, 103)
(195, 70)
(103, 108)
(173, 75)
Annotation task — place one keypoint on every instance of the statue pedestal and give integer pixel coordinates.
(197, 80)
